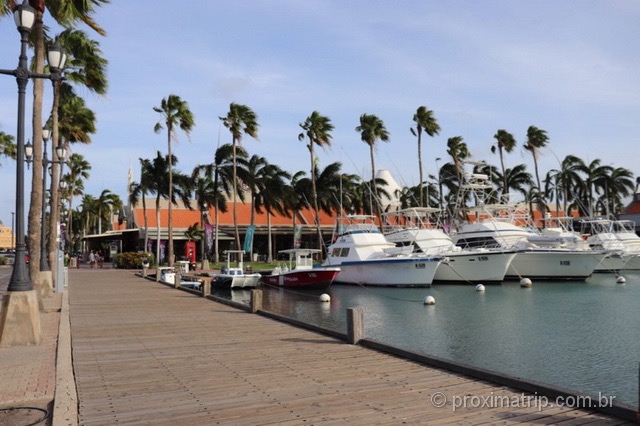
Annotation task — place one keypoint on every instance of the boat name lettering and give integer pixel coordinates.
(483, 258)
(421, 265)
(565, 262)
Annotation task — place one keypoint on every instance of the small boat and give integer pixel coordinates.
(168, 276)
(300, 273)
(235, 276)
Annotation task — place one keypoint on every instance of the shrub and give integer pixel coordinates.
(133, 260)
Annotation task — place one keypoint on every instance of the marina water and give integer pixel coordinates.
(581, 336)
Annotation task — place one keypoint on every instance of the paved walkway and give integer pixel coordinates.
(144, 353)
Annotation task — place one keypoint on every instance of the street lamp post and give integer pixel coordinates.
(202, 245)
(24, 16)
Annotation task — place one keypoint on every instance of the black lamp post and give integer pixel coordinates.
(24, 16)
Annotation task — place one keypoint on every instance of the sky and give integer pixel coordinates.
(571, 68)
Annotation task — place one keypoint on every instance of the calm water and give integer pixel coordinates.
(580, 336)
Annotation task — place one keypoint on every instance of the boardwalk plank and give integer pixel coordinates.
(145, 353)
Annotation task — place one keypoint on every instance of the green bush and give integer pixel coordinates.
(133, 260)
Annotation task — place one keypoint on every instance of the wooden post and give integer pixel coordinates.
(176, 280)
(145, 271)
(355, 325)
(205, 287)
(256, 301)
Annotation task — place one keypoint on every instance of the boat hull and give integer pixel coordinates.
(236, 281)
(612, 263)
(392, 272)
(633, 263)
(554, 265)
(317, 278)
(474, 267)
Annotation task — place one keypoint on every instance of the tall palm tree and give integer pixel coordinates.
(175, 115)
(372, 129)
(505, 142)
(317, 130)
(536, 140)
(425, 121)
(85, 67)
(239, 120)
(459, 152)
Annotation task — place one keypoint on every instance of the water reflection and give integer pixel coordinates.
(580, 336)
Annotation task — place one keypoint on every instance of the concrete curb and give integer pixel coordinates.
(65, 409)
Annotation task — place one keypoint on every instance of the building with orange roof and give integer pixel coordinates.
(128, 230)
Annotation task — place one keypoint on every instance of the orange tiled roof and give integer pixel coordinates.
(183, 218)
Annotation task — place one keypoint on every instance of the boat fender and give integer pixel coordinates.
(324, 297)
(429, 300)
(621, 280)
(480, 287)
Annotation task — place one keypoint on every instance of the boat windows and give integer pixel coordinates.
(340, 252)
(477, 242)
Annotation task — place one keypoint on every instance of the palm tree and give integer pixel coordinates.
(425, 121)
(317, 131)
(372, 129)
(459, 152)
(272, 198)
(206, 193)
(175, 114)
(297, 199)
(158, 173)
(536, 139)
(85, 67)
(570, 180)
(240, 119)
(106, 203)
(618, 185)
(595, 175)
(504, 142)
(138, 192)
(78, 170)
(7, 147)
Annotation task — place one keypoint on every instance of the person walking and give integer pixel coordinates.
(92, 260)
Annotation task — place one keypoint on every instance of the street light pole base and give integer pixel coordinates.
(20, 319)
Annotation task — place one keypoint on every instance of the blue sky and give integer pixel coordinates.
(571, 68)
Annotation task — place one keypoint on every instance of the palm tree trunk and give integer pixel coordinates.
(35, 210)
(55, 178)
(146, 224)
(420, 163)
(269, 245)
(170, 218)
(235, 196)
(158, 230)
(314, 194)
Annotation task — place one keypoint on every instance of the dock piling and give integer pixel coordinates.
(355, 325)
(256, 301)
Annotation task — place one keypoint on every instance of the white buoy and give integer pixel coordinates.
(480, 287)
(525, 282)
(621, 280)
(429, 300)
(324, 297)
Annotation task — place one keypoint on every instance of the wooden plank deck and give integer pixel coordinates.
(144, 353)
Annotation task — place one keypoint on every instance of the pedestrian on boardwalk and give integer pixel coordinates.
(92, 260)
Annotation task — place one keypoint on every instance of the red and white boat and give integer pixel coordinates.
(300, 273)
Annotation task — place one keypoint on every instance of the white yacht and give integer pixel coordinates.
(499, 225)
(365, 257)
(420, 228)
(617, 237)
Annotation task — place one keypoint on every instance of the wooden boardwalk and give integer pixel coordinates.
(144, 353)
